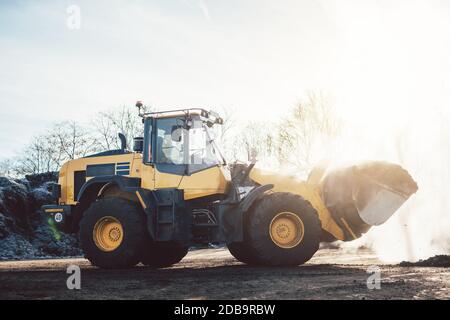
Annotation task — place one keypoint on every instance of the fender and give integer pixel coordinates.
(85, 196)
(236, 220)
(164, 208)
(252, 196)
(124, 183)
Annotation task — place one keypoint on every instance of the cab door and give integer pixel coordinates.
(147, 174)
(170, 162)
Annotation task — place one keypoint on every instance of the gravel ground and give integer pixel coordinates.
(215, 274)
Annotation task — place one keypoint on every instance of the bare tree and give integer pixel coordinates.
(70, 140)
(73, 141)
(106, 133)
(7, 167)
(254, 136)
(41, 155)
(225, 134)
(310, 123)
(229, 123)
(47, 152)
(108, 124)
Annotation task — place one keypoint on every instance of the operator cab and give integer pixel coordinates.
(180, 142)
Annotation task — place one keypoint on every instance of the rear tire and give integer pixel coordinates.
(163, 254)
(299, 224)
(129, 235)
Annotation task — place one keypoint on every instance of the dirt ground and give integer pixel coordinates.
(215, 274)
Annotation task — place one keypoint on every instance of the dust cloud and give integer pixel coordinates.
(418, 140)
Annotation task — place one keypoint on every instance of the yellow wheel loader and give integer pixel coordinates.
(175, 190)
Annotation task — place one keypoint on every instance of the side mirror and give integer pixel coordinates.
(138, 144)
(177, 133)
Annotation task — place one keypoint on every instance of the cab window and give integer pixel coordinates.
(202, 154)
(170, 140)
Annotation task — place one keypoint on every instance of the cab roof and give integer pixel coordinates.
(207, 115)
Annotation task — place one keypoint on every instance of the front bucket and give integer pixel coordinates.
(366, 195)
(380, 207)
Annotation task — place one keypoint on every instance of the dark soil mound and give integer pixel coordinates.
(24, 229)
(441, 261)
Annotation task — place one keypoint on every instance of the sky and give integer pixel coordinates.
(258, 57)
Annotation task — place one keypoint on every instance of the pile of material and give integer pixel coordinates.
(24, 230)
(439, 261)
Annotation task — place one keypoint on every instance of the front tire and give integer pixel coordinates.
(281, 229)
(242, 252)
(112, 233)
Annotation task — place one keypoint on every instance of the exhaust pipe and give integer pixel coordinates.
(365, 195)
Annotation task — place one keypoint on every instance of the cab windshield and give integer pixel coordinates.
(181, 141)
(202, 147)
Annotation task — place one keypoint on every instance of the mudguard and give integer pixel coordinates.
(252, 196)
(124, 183)
(236, 219)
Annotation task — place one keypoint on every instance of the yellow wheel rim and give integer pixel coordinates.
(108, 234)
(286, 230)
